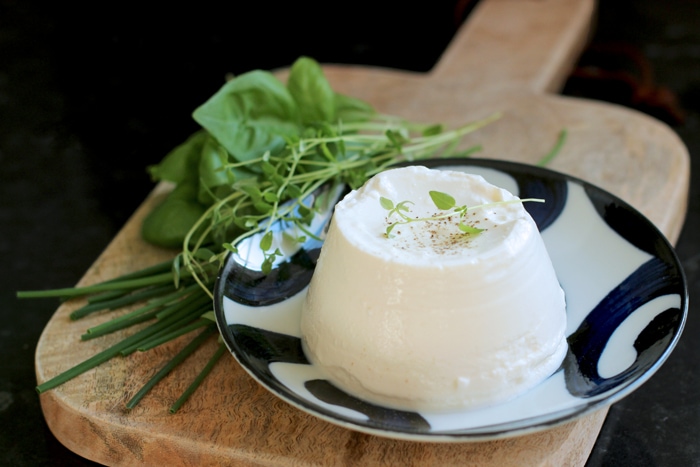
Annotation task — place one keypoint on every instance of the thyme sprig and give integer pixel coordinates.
(445, 203)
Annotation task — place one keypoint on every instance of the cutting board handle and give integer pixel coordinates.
(533, 48)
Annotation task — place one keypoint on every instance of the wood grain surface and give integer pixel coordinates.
(510, 57)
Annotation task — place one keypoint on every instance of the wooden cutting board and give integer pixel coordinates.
(510, 56)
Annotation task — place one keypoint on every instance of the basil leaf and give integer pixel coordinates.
(349, 109)
(180, 164)
(250, 114)
(311, 91)
(212, 174)
(168, 223)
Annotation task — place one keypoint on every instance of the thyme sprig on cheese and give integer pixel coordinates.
(447, 204)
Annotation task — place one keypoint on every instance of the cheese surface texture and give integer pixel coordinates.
(431, 318)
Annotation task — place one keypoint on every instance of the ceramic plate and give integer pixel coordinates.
(626, 304)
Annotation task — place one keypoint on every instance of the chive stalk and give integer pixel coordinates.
(168, 326)
(169, 323)
(100, 287)
(163, 372)
(110, 327)
(99, 358)
(134, 317)
(178, 331)
(105, 296)
(122, 301)
(199, 379)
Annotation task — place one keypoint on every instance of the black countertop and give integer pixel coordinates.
(90, 95)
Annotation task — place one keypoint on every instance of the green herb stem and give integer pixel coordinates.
(154, 269)
(192, 301)
(105, 296)
(122, 301)
(177, 332)
(139, 315)
(547, 158)
(100, 287)
(112, 326)
(124, 347)
(99, 358)
(168, 324)
(199, 379)
(179, 358)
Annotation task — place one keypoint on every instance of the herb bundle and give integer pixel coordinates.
(264, 146)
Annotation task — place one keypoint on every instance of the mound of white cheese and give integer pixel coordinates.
(431, 318)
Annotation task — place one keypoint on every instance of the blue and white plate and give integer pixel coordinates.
(626, 297)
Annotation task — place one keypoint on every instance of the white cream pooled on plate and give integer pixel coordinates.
(431, 318)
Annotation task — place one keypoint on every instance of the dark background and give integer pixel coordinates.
(90, 95)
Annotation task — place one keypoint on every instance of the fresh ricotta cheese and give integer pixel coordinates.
(430, 318)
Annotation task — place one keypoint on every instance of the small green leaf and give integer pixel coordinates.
(262, 207)
(270, 197)
(266, 241)
(386, 203)
(305, 211)
(204, 254)
(432, 130)
(442, 200)
(266, 266)
(251, 190)
(468, 229)
(396, 138)
(293, 191)
(291, 238)
(250, 223)
(277, 179)
(403, 206)
(267, 168)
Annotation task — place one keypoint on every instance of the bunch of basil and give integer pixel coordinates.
(251, 114)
